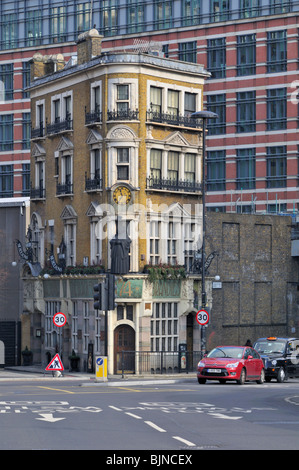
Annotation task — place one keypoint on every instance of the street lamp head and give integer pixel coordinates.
(204, 115)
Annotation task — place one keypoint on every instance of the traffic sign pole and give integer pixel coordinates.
(59, 319)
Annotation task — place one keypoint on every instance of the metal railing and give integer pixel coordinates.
(159, 362)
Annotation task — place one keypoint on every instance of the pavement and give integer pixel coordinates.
(37, 372)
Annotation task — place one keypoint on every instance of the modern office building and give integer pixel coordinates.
(249, 46)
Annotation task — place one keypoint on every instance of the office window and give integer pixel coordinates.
(217, 104)
(246, 55)
(123, 160)
(276, 109)
(82, 17)
(26, 130)
(58, 25)
(155, 241)
(25, 179)
(173, 166)
(33, 27)
(25, 78)
(156, 163)
(163, 14)
(6, 82)
(246, 106)
(189, 170)
(246, 168)
(276, 167)
(9, 31)
(188, 51)
(6, 132)
(219, 10)
(173, 102)
(216, 170)
(249, 8)
(190, 103)
(280, 6)
(135, 14)
(276, 51)
(156, 99)
(191, 12)
(109, 17)
(6, 181)
(217, 57)
(164, 327)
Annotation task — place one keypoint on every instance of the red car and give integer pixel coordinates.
(225, 363)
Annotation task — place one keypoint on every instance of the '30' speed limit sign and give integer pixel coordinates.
(59, 319)
(202, 317)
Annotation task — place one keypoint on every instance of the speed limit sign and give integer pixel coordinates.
(202, 317)
(59, 319)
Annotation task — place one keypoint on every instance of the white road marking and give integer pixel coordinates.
(188, 443)
(114, 408)
(133, 416)
(153, 425)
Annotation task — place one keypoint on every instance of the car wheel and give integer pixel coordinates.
(242, 378)
(262, 377)
(281, 376)
(201, 381)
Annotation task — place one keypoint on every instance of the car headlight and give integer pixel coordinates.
(274, 362)
(233, 365)
(201, 364)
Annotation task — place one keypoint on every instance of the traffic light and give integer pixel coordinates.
(110, 291)
(97, 296)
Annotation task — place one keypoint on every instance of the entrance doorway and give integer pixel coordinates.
(124, 350)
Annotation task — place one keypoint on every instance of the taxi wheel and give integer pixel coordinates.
(281, 376)
(242, 378)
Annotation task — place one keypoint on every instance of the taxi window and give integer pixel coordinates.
(267, 347)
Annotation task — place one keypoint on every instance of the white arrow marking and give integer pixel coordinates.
(49, 417)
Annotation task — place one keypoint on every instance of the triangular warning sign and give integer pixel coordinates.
(55, 364)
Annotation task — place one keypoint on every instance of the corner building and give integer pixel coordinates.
(114, 149)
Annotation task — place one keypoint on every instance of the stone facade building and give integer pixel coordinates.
(114, 151)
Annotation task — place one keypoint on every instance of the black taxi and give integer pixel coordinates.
(280, 356)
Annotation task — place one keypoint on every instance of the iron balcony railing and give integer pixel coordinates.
(93, 184)
(37, 193)
(124, 115)
(159, 362)
(169, 184)
(93, 117)
(37, 132)
(173, 119)
(60, 126)
(64, 189)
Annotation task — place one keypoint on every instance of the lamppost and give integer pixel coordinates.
(204, 115)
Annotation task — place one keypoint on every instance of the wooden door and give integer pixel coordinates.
(124, 350)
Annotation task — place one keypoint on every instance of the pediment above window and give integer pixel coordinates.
(68, 213)
(94, 137)
(64, 144)
(176, 138)
(94, 210)
(38, 151)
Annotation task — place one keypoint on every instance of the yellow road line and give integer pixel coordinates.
(57, 389)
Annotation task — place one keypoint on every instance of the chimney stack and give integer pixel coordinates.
(89, 45)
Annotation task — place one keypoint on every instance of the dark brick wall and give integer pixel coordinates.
(260, 282)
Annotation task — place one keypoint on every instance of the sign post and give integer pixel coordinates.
(202, 317)
(59, 320)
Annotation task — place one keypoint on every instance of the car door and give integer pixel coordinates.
(293, 358)
(249, 363)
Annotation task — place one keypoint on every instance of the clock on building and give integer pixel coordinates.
(122, 195)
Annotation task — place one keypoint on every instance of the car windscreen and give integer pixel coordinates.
(269, 347)
(227, 352)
